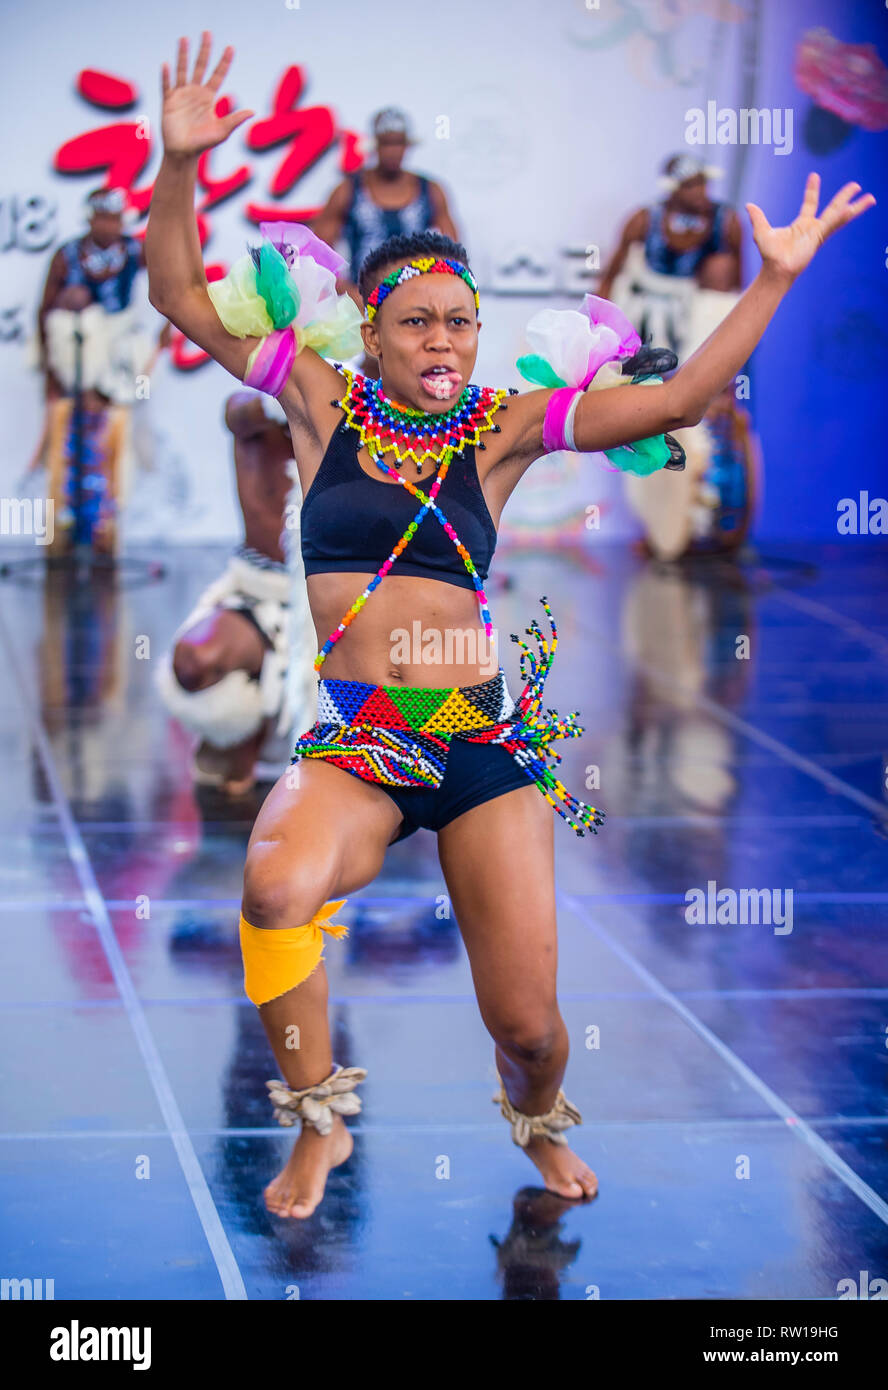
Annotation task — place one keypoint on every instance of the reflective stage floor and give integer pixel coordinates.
(731, 1075)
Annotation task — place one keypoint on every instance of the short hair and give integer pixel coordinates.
(409, 247)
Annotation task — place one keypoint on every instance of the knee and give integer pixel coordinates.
(533, 1039)
(279, 889)
(195, 664)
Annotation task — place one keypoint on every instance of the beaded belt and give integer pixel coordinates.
(400, 736)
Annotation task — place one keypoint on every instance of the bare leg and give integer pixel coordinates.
(322, 840)
(498, 862)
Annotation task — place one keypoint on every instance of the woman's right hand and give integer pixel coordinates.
(189, 124)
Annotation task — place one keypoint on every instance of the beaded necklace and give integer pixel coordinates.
(407, 433)
(99, 261)
(379, 423)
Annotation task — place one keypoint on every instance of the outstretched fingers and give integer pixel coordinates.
(841, 209)
(760, 223)
(203, 55)
(217, 77)
(236, 118)
(182, 64)
(221, 68)
(811, 196)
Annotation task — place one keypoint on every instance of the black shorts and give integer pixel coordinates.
(475, 772)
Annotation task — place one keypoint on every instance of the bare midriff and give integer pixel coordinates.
(416, 632)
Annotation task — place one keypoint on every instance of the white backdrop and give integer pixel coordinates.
(558, 115)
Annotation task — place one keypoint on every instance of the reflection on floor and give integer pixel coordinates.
(731, 1073)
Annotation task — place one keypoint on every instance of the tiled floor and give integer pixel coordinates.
(732, 1077)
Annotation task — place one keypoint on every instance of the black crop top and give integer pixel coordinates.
(352, 522)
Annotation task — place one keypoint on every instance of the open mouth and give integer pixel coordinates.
(441, 382)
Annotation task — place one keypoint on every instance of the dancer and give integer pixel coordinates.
(386, 200)
(677, 274)
(391, 750)
(93, 353)
(226, 677)
(105, 260)
(687, 235)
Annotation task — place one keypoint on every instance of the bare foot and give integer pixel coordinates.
(298, 1189)
(563, 1171)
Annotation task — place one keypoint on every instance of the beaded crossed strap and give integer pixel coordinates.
(315, 1104)
(549, 1126)
(384, 428)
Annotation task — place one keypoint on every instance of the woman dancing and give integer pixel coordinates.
(390, 751)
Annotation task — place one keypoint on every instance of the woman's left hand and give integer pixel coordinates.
(789, 249)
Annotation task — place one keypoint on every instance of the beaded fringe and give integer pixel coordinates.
(410, 757)
(529, 738)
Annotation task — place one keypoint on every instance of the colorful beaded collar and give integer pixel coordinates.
(388, 428)
(426, 265)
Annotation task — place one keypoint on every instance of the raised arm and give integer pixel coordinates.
(441, 212)
(634, 230)
(330, 221)
(329, 226)
(54, 279)
(177, 283)
(606, 419)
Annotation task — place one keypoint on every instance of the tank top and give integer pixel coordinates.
(664, 260)
(367, 225)
(351, 522)
(114, 292)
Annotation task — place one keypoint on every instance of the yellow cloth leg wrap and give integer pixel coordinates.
(277, 961)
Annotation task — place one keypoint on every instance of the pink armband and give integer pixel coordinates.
(558, 419)
(268, 365)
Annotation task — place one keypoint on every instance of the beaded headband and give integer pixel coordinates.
(427, 265)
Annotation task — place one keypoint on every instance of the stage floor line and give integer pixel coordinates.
(739, 725)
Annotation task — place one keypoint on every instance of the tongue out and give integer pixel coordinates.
(441, 385)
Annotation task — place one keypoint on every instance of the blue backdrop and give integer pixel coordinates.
(820, 377)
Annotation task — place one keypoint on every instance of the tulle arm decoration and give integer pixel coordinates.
(585, 349)
(287, 287)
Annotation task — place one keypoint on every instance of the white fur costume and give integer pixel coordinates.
(673, 507)
(232, 710)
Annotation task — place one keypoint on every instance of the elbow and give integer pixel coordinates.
(158, 300)
(688, 418)
(682, 412)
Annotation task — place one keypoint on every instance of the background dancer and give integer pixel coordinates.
(379, 202)
(447, 756)
(677, 273)
(91, 351)
(228, 676)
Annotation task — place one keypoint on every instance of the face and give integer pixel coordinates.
(390, 152)
(693, 195)
(106, 227)
(425, 335)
